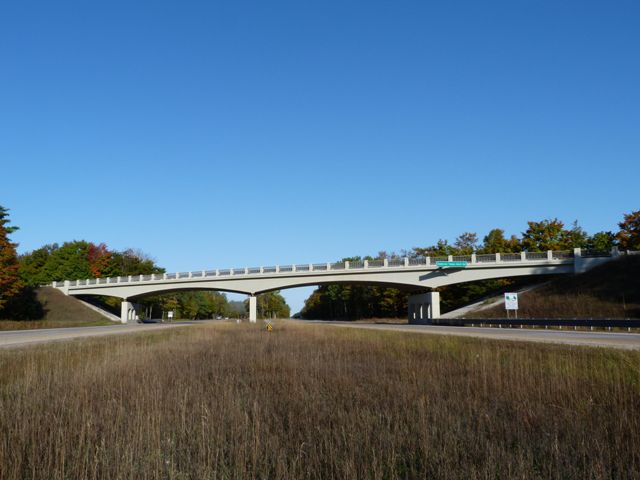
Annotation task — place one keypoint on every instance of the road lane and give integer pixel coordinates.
(629, 341)
(19, 338)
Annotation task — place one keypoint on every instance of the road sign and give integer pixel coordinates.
(451, 264)
(170, 314)
(511, 301)
(269, 327)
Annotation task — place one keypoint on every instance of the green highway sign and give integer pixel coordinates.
(452, 264)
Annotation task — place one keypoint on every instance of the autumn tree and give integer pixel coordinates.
(10, 282)
(629, 235)
(495, 242)
(552, 235)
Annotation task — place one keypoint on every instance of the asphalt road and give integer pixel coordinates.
(20, 338)
(629, 341)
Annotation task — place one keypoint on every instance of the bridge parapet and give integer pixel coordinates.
(359, 265)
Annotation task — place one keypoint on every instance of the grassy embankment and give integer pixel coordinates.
(609, 291)
(315, 402)
(59, 311)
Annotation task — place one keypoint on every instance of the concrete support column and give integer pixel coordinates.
(253, 308)
(424, 307)
(435, 304)
(125, 311)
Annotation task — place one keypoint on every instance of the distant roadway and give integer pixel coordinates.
(629, 341)
(19, 338)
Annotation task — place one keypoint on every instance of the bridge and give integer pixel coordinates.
(420, 275)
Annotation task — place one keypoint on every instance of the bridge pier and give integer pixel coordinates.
(424, 307)
(128, 312)
(253, 308)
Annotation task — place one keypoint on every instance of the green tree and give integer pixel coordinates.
(466, 243)
(601, 241)
(271, 305)
(629, 235)
(133, 262)
(495, 242)
(440, 249)
(10, 281)
(32, 265)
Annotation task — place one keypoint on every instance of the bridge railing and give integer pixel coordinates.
(389, 263)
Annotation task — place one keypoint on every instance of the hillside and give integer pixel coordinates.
(609, 291)
(59, 311)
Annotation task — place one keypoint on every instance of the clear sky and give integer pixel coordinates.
(223, 134)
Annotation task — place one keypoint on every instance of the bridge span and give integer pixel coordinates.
(420, 275)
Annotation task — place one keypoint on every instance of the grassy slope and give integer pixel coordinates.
(313, 402)
(60, 311)
(609, 291)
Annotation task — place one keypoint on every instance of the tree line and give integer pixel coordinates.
(21, 275)
(341, 301)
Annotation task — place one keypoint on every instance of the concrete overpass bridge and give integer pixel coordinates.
(416, 274)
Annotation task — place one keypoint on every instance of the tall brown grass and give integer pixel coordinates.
(316, 402)
(561, 305)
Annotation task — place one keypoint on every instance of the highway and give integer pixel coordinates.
(630, 341)
(20, 338)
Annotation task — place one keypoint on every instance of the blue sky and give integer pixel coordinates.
(224, 134)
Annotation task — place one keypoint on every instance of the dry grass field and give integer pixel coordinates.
(609, 291)
(231, 401)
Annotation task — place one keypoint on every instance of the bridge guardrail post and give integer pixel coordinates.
(190, 274)
(473, 258)
(293, 267)
(385, 262)
(311, 267)
(549, 255)
(406, 261)
(427, 261)
(129, 278)
(498, 259)
(523, 256)
(277, 268)
(366, 264)
(164, 276)
(450, 258)
(261, 269)
(328, 266)
(346, 265)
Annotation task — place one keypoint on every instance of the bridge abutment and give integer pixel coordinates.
(128, 313)
(424, 307)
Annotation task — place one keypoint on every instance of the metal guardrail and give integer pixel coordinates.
(394, 263)
(539, 322)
